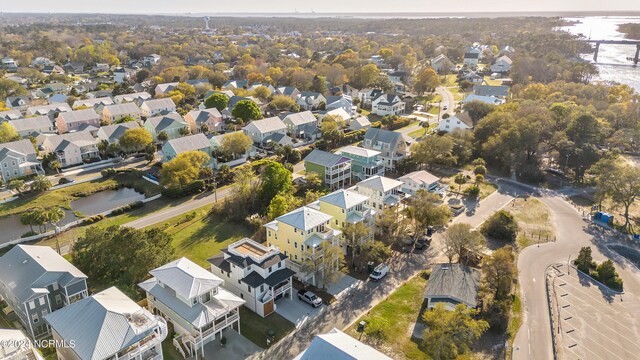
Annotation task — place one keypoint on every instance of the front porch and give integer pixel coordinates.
(190, 345)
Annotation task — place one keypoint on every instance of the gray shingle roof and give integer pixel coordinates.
(491, 90)
(103, 324)
(155, 104)
(164, 121)
(382, 136)
(454, 281)
(21, 146)
(122, 109)
(268, 124)
(301, 118)
(81, 138)
(112, 133)
(189, 143)
(79, 116)
(45, 109)
(201, 116)
(132, 97)
(27, 269)
(93, 102)
(10, 114)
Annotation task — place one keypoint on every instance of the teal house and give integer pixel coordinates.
(365, 163)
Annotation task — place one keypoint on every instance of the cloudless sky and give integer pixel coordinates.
(332, 6)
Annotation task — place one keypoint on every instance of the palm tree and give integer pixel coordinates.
(16, 184)
(460, 179)
(28, 218)
(53, 216)
(55, 165)
(40, 184)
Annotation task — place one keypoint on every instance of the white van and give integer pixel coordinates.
(379, 272)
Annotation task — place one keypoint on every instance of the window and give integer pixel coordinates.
(270, 270)
(269, 232)
(261, 288)
(241, 296)
(279, 265)
(295, 244)
(34, 318)
(249, 289)
(44, 312)
(336, 221)
(58, 299)
(288, 241)
(296, 257)
(55, 287)
(239, 282)
(32, 304)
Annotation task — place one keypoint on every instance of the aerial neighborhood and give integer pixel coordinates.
(178, 187)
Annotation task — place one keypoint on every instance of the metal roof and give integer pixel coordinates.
(186, 278)
(336, 345)
(325, 158)
(344, 199)
(380, 183)
(304, 218)
(189, 143)
(358, 151)
(421, 176)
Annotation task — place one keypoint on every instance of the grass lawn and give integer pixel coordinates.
(418, 133)
(489, 81)
(395, 317)
(169, 351)
(434, 110)
(515, 320)
(202, 237)
(254, 327)
(534, 221)
(458, 94)
(449, 80)
(486, 188)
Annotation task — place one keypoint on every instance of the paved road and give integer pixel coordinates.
(447, 100)
(533, 340)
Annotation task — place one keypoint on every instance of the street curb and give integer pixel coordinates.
(596, 281)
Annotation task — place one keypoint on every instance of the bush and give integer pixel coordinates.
(108, 172)
(425, 274)
(593, 274)
(193, 188)
(29, 233)
(497, 315)
(501, 226)
(472, 192)
(614, 283)
(127, 208)
(92, 219)
(376, 124)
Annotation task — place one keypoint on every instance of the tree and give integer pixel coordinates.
(135, 140)
(480, 170)
(478, 109)
(109, 256)
(281, 204)
(451, 333)
(498, 272)
(184, 131)
(9, 87)
(584, 259)
(184, 169)
(618, 182)
(40, 184)
(235, 144)
(500, 226)
(364, 76)
(461, 240)
(8, 133)
(124, 119)
(246, 110)
(276, 179)
(53, 216)
(427, 80)
(319, 84)
(354, 235)
(282, 102)
(163, 136)
(262, 92)
(288, 154)
(434, 150)
(387, 223)
(17, 185)
(425, 211)
(373, 251)
(55, 165)
(217, 100)
(29, 218)
(325, 260)
(331, 131)
(460, 179)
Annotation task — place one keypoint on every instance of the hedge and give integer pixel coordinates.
(193, 188)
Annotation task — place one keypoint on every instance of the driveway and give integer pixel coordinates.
(343, 286)
(297, 311)
(238, 347)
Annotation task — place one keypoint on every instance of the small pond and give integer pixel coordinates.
(628, 253)
(11, 228)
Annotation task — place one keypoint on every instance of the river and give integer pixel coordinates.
(612, 59)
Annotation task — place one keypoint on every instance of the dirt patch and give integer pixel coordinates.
(534, 221)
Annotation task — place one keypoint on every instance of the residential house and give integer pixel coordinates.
(18, 158)
(298, 231)
(392, 145)
(152, 59)
(28, 126)
(367, 96)
(53, 69)
(195, 303)
(442, 64)
(10, 115)
(74, 67)
(340, 102)
(266, 85)
(339, 114)
(365, 163)
(361, 122)
(235, 99)
(51, 111)
(163, 89)
(209, 117)
(20, 103)
(471, 57)
(302, 125)
(334, 170)
(345, 89)
(107, 325)
(502, 64)
(473, 77)
(9, 64)
(171, 124)
(153, 107)
(72, 148)
(42, 61)
(96, 103)
(235, 84)
(452, 284)
(381, 191)
(72, 120)
(337, 345)
(236, 159)
(507, 50)
(52, 89)
(309, 100)
(177, 146)
(58, 99)
(228, 93)
(387, 104)
(266, 130)
(113, 133)
(137, 98)
(16, 346)
(419, 180)
(36, 281)
(346, 207)
(460, 121)
(256, 273)
(499, 91)
(112, 113)
(123, 74)
(492, 100)
(289, 91)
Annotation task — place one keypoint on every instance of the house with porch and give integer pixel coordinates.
(209, 117)
(72, 148)
(461, 121)
(193, 300)
(365, 163)
(309, 100)
(419, 180)
(255, 272)
(382, 192)
(107, 325)
(340, 102)
(171, 124)
(502, 64)
(334, 170)
(72, 120)
(387, 104)
(391, 144)
(113, 133)
(18, 158)
(263, 131)
(295, 232)
(302, 125)
(36, 281)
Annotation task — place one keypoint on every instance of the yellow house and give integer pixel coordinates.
(299, 230)
(345, 206)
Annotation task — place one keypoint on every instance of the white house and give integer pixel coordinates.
(502, 64)
(419, 180)
(382, 191)
(309, 100)
(336, 345)
(154, 107)
(16, 345)
(387, 104)
(460, 121)
(256, 273)
(18, 158)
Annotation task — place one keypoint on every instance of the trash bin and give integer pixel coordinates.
(361, 326)
(370, 267)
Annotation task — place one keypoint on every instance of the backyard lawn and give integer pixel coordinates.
(486, 188)
(534, 221)
(390, 323)
(255, 328)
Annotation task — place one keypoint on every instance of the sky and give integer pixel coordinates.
(332, 6)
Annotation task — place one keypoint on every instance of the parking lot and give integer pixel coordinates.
(591, 321)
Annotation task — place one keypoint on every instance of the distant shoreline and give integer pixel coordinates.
(370, 15)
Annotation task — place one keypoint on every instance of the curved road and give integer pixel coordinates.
(533, 340)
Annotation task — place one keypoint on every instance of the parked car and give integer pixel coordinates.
(379, 272)
(65, 180)
(309, 297)
(422, 243)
